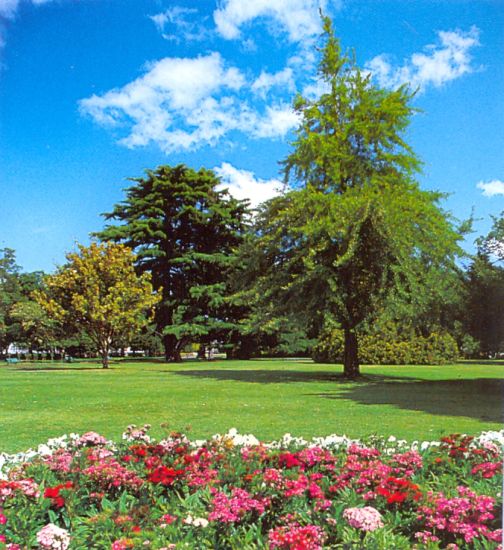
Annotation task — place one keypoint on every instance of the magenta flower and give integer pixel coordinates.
(297, 537)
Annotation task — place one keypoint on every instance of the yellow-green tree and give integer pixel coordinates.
(97, 291)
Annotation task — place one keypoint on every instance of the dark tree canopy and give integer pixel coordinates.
(484, 301)
(185, 232)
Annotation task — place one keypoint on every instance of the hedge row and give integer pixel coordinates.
(379, 349)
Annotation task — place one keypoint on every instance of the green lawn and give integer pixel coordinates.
(264, 397)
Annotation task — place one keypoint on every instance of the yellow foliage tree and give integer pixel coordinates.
(98, 292)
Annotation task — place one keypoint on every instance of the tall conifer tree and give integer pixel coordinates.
(357, 231)
(184, 232)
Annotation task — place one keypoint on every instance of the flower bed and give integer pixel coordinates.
(235, 492)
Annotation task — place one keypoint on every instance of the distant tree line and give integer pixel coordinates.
(352, 255)
(227, 310)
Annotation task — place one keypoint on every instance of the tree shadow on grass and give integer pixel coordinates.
(481, 398)
(262, 376)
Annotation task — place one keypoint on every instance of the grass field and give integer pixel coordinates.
(264, 397)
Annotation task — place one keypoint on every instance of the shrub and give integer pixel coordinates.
(388, 348)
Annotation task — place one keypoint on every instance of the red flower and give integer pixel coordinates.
(163, 475)
(396, 490)
(53, 493)
(288, 460)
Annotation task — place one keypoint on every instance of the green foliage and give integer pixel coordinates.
(492, 245)
(484, 314)
(184, 231)
(98, 292)
(21, 322)
(353, 132)
(392, 347)
(358, 232)
(38, 329)
(10, 292)
(483, 319)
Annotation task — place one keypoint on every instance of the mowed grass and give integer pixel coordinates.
(265, 397)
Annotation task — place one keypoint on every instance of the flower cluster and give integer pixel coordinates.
(297, 537)
(466, 515)
(233, 508)
(90, 439)
(365, 519)
(52, 537)
(233, 491)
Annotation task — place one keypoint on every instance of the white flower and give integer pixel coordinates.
(197, 522)
(52, 537)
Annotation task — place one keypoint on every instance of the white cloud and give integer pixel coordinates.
(316, 88)
(184, 103)
(263, 84)
(279, 121)
(180, 22)
(491, 188)
(8, 8)
(242, 184)
(300, 19)
(441, 63)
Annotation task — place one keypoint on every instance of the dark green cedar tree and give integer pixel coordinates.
(184, 231)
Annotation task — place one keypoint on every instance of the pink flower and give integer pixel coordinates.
(466, 515)
(297, 537)
(25, 486)
(60, 461)
(407, 463)
(52, 537)
(296, 487)
(109, 474)
(90, 439)
(232, 509)
(365, 519)
(487, 469)
(273, 477)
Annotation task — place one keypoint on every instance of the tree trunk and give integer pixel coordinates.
(171, 349)
(105, 360)
(202, 352)
(351, 355)
(104, 352)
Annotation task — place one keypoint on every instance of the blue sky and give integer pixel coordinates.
(95, 91)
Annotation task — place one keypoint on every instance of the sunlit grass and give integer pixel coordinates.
(267, 398)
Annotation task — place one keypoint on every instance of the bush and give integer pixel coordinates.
(388, 348)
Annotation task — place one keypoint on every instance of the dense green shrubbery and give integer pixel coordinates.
(389, 348)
